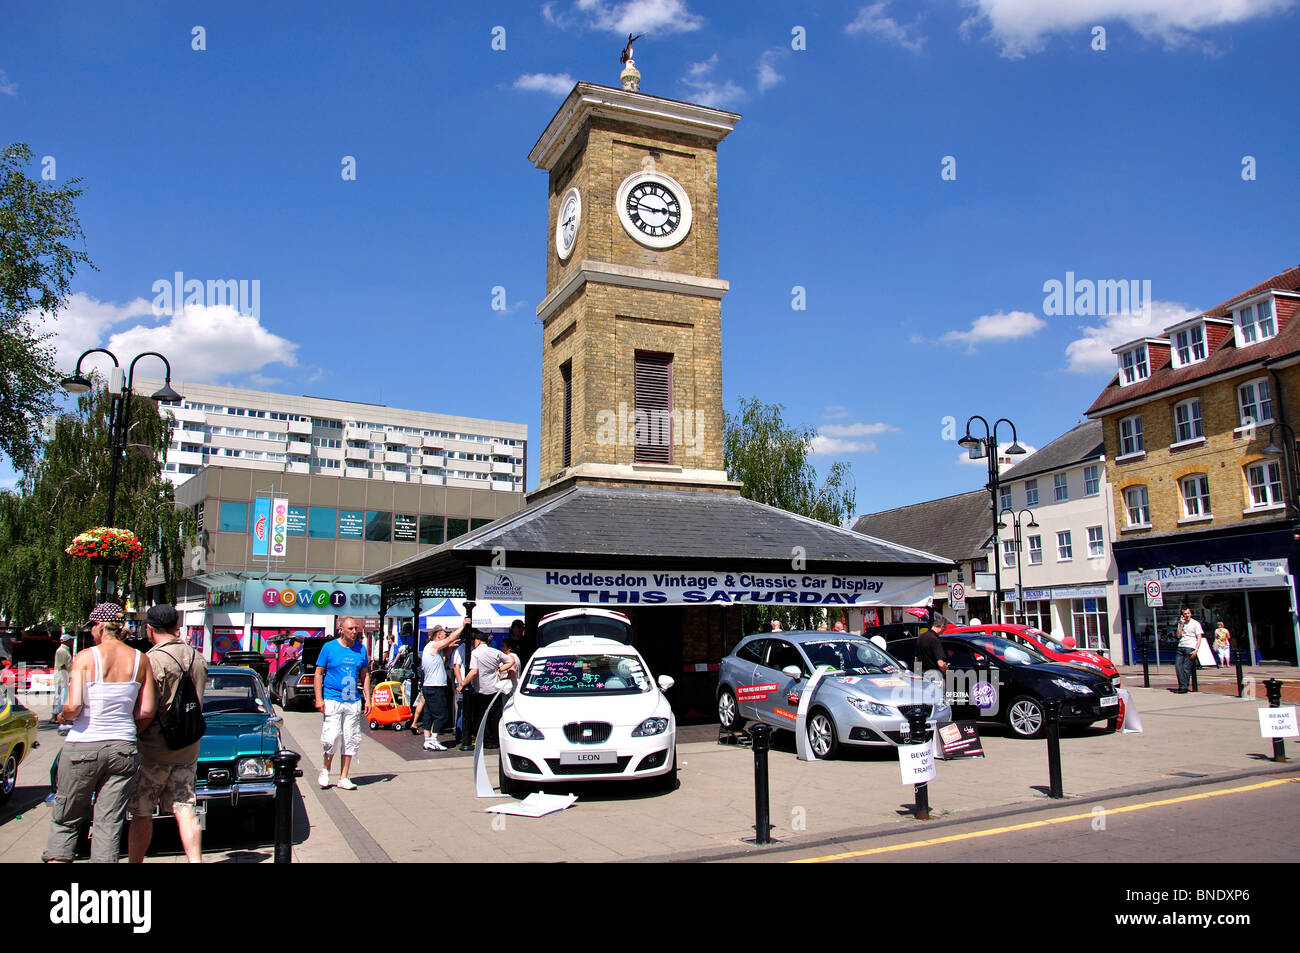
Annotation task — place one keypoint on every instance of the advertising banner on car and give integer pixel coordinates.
(687, 587)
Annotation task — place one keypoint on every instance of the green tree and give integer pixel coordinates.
(65, 491)
(38, 224)
(771, 458)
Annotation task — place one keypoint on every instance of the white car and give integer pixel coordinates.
(585, 709)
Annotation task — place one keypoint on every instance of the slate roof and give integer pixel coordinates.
(1084, 442)
(593, 525)
(1225, 357)
(956, 527)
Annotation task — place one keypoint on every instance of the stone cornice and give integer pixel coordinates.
(628, 276)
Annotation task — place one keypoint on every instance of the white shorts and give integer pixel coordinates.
(342, 718)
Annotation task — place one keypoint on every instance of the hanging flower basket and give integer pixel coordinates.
(106, 544)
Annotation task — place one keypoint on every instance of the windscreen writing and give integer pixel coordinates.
(586, 675)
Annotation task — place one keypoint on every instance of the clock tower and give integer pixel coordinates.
(632, 319)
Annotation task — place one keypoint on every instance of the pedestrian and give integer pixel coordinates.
(510, 647)
(110, 697)
(433, 693)
(166, 781)
(62, 675)
(1223, 643)
(930, 652)
(1189, 637)
(480, 686)
(776, 625)
(339, 666)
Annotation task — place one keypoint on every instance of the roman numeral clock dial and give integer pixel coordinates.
(654, 209)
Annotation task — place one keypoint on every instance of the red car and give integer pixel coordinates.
(1038, 639)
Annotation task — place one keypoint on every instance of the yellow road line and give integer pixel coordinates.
(953, 838)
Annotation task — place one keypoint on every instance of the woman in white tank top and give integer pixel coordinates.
(110, 696)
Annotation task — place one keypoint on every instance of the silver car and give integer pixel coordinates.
(862, 700)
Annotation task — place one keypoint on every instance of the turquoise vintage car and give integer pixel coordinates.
(18, 725)
(235, 754)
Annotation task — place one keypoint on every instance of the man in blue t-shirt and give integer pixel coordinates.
(340, 665)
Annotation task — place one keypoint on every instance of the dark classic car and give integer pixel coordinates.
(293, 682)
(235, 753)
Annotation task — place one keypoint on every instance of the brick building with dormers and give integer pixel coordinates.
(1200, 453)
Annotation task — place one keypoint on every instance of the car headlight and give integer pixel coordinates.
(1070, 686)
(651, 726)
(524, 731)
(1091, 666)
(868, 707)
(249, 769)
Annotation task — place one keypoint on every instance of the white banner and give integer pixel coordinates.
(279, 528)
(612, 589)
(1278, 723)
(916, 763)
(1243, 574)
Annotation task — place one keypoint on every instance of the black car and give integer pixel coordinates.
(294, 681)
(994, 679)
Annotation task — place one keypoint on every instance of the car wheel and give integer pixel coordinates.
(821, 736)
(9, 777)
(729, 711)
(1025, 717)
(374, 725)
(509, 786)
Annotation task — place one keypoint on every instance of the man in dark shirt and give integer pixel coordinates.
(929, 651)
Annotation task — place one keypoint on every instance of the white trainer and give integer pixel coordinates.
(345, 784)
(323, 779)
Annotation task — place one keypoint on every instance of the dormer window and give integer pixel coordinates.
(1255, 322)
(1133, 366)
(1189, 345)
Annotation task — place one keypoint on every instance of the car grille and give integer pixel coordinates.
(587, 732)
(907, 710)
(204, 769)
(558, 769)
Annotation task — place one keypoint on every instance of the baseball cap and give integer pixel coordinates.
(107, 612)
(162, 616)
(67, 637)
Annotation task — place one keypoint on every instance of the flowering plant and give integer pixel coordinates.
(106, 542)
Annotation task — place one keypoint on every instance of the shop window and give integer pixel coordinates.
(234, 518)
(321, 522)
(1088, 623)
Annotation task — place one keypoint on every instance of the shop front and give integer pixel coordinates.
(1086, 612)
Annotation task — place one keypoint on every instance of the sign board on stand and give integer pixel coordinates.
(958, 739)
(1278, 723)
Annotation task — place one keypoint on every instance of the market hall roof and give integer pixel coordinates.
(958, 526)
(592, 525)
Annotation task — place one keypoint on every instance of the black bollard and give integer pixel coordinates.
(916, 717)
(468, 732)
(1146, 671)
(285, 764)
(1273, 688)
(1241, 678)
(1052, 712)
(1196, 663)
(762, 742)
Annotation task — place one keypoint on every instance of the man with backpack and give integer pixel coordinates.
(169, 747)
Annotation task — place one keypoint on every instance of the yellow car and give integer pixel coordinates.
(17, 739)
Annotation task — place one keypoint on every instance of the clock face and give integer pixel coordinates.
(566, 223)
(654, 209)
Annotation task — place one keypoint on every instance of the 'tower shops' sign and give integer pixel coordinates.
(277, 595)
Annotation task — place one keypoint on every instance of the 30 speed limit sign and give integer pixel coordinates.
(1155, 595)
(957, 595)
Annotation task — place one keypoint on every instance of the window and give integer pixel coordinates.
(1035, 550)
(1004, 498)
(1037, 613)
(1187, 420)
(1088, 622)
(1091, 480)
(1133, 365)
(1265, 480)
(1138, 506)
(234, 518)
(1064, 547)
(1130, 436)
(1009, 553)
(653, 406)
(1256, 402)
(1196, 495)
(1096, 543)
(1189, 345)
(566, 445)
(1255, 323)
(941, 579)
(1060, 487)
(1031, 493)
(321, 521)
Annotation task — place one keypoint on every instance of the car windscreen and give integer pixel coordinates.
(1012, 653)
(850, 656)
(586, 674)
(233, 693)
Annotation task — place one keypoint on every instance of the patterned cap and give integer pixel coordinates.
(107, 612)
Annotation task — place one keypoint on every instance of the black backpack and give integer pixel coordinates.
(182, 723)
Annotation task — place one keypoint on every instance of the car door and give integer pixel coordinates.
(743, 674)
(967, 668)
(776, 708)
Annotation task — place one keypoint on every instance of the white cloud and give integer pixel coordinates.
(1022, 26)
(836, 412)
(1003, 326)
(1092, 352)
(557, 84)
(872, 21)
(6, 86)
(856, 430)
(767, 74)
(1005, 462)
(707, 91)
(204, 344)
(827, 445)
(630, 16)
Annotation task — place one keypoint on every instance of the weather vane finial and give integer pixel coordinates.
(631, 76)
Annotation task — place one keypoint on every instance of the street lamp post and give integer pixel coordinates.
(118, 416)
(1020, 560)
(987, 446)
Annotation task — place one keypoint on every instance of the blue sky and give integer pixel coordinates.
(1169, 156)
